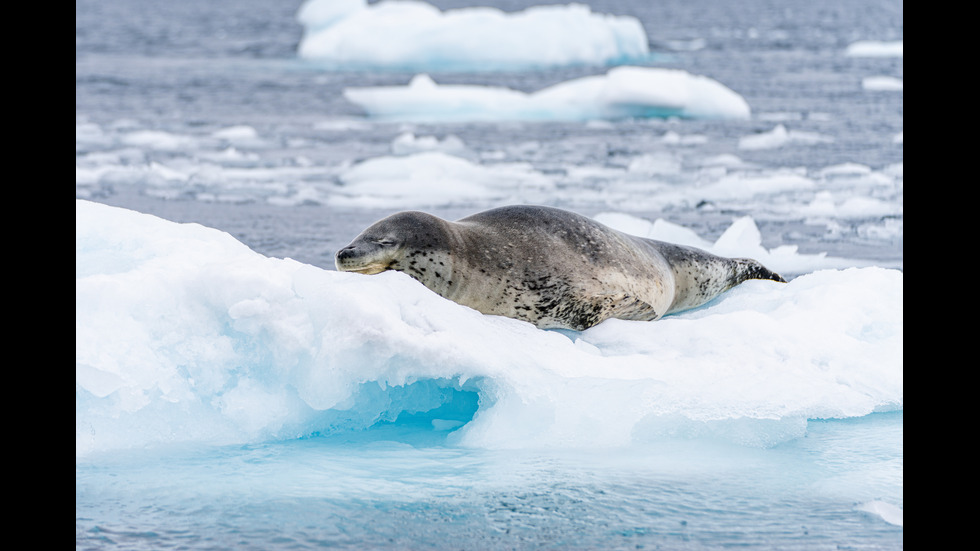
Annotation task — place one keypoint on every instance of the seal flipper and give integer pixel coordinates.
(624, 306)
(586, 312)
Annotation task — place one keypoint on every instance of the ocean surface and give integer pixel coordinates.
(202, 112)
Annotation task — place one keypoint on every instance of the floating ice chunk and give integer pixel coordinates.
(726, 160)
(343, 124)
(824, 205)
(874, 48)
(241, 135)
(418, 36)
(407, 143)
(779, 137)
(168, 173)
(159, 140)
(230, 156)
(89, 134)
(655, 163)
(240, 132)
(886, 230)
(738, 185)
(742, 238)
(623, 92)
(882, 83)
(673, 138)
(423, 99)
(845, 170)
(888, 512)
(436, 178)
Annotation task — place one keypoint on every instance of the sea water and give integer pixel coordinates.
(234, 392)
(836, 487)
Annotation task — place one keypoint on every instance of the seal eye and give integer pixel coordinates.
(384, 242)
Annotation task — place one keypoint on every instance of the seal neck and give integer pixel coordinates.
(430, 258)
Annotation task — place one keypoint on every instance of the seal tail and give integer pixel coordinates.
(748, 268)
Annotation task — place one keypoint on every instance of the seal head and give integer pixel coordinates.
(412, 242)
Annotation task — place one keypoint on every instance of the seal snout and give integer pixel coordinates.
(346, 259)
(346, 254)
(356, 259)
(350, 251)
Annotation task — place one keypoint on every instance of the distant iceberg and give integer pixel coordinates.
(417, 36)
(623, 92)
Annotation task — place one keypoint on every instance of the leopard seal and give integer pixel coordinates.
(550, 267)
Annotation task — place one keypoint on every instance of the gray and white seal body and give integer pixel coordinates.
(550, 267)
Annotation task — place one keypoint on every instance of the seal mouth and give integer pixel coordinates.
(367, 269)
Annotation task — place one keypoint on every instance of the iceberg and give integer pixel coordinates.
(352, 34)
(623, 92)
(183, 335)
